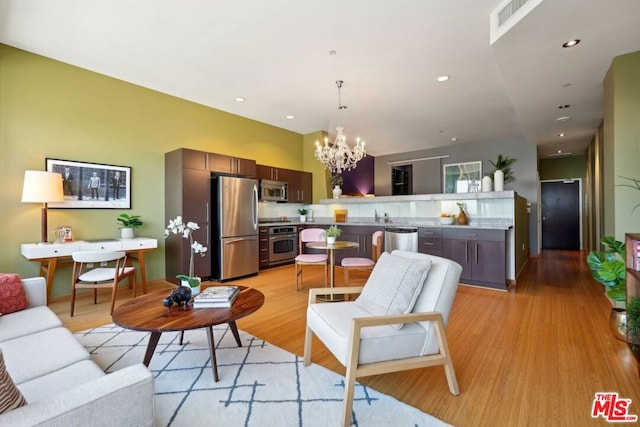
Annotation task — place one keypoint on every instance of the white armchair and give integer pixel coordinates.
(397, 323)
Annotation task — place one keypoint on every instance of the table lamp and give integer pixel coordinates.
(42, 187)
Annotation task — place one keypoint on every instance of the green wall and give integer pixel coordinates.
(562, 168)
(50, 109)
(622, 145)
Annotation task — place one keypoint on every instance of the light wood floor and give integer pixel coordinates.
(532, 356)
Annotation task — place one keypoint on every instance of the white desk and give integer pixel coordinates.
(53, 255)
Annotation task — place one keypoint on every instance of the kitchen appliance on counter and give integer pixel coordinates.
(235, 227)
(283, 244)
(273, 191)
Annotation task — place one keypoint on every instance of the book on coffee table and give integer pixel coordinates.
(216, 297)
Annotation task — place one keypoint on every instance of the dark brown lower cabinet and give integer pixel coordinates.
(482, 254)
(430, 241)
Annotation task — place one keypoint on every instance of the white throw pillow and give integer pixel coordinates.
(394, 285)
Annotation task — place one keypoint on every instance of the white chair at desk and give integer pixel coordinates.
(100, 277)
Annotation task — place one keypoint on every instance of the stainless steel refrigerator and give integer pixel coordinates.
(235, 227)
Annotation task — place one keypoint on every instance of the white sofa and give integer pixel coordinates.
(60, 383)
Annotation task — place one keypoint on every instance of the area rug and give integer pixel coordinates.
(260, 384)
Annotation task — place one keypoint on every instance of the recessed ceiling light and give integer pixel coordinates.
(571, 43)
(443, 78)
(563, 119)
(454, 139)
(239, 99)
(289, 116)
(563, 106)
(561, 134)
(332, 52)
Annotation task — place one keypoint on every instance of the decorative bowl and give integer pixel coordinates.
(446, 220)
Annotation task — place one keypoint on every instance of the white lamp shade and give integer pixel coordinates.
(42, 187)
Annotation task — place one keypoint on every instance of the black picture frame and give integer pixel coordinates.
(92, 185)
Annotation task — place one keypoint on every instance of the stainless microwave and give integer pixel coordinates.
(273, 191)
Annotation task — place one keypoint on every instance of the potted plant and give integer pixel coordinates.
(127, 224)
(303, 214)
(607, 267)
(178, 226)
(502, 171)
(333, 232)
(633, 320)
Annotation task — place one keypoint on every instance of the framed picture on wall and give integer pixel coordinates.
(462, 177)
(92, 185)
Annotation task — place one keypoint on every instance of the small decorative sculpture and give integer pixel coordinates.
(180, 296)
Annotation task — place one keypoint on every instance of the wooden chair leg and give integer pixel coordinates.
(326, 273)
(298, 273)
(113, 295)
(346, 275)
(95, 295)
(349, 389)
(132, 280)
(308, 338)
(73, 299)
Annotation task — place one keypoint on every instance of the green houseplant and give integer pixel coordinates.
(127, 224)
(303, 214)
(633, 320)
(607, 267)
(503, 163)
(332, 233)
(129, 221)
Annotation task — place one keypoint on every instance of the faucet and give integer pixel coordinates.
(375, 215)
(386, 218)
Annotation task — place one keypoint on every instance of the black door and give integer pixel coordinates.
(561, 215)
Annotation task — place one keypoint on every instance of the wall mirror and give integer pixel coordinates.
(462, 177)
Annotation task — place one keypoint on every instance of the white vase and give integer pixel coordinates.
(303, 218)
(337, 192)
(331, 240)
(498, 180)
(486, 184)
(194, 290)
(126, 233)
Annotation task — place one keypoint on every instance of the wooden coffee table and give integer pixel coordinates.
(146, 313)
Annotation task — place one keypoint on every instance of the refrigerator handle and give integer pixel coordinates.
(255, 206)
(232, 240)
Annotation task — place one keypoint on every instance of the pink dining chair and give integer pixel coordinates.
(310, 235)
(363, 264)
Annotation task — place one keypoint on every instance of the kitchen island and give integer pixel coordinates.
(496, 231)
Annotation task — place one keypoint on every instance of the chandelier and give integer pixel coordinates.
(338, 157)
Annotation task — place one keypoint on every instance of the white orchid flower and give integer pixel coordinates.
(178, 226)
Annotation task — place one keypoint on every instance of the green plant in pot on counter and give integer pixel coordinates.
(303, 214)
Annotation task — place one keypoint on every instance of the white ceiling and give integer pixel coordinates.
(276, 54)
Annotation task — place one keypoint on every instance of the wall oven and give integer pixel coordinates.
(273, 191)
(283, 244)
